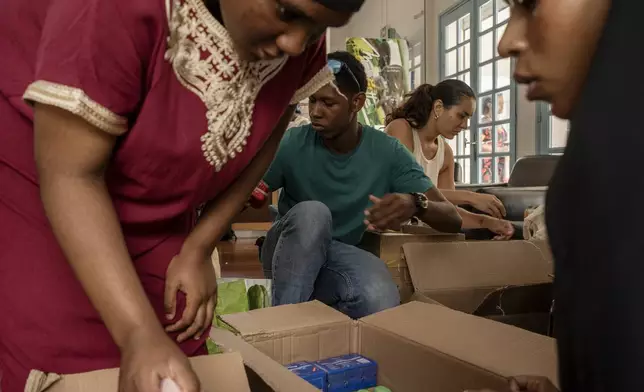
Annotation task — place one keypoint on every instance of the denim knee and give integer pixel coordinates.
(310, 219)
(376, 295)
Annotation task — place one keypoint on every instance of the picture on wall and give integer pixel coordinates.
(386, 63)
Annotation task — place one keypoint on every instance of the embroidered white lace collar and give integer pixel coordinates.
(204, 60)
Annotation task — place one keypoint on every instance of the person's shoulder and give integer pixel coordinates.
(380, 137)
(401, 130)
(399, 125)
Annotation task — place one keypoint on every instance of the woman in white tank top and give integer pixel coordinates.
(428, 116)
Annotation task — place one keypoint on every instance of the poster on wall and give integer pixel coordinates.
(386, 63)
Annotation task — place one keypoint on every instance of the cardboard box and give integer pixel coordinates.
(418, 347)
(224, 372)
(388, 247)
(218, 373)
(460, 275)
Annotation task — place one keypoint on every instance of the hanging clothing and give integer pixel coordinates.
(431, 167)
(189, 117)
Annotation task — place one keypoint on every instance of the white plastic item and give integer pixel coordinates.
(167, 385)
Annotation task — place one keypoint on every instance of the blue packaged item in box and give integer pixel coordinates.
(311, 373)
(349, 373)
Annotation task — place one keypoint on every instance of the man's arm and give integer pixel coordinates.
(407, 177)
(440, 213)
(218, 214)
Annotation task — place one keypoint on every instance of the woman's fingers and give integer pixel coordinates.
(170, 298)
(196, 326)
(189, 314)
(495, 211)
(210, 316)
(500, 206)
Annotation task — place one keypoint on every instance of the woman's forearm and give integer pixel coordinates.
(84, 221)
(219, 213)
(472, 220)
(457, 197)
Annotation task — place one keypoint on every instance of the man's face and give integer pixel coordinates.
(268, 29)
(331, 111)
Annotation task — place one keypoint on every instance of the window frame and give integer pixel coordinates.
(446, 18)
(414, 68)
(544, 132)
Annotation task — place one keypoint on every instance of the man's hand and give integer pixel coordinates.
(502, 229)
(390, 212)
(528, 384)
(488, 204)
(191, 272)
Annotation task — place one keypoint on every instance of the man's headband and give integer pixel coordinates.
(342, 5)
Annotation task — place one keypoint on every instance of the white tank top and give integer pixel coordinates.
(431, 167)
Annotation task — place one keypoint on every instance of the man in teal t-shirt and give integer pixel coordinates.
(338, 178)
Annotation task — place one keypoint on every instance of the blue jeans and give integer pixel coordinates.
(305, 263)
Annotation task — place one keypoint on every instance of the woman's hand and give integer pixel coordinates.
(148, 358)
(502, 228)
(488, 204)
(192, 273)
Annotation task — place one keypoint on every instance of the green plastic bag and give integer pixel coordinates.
(212, 347)
(231, 298)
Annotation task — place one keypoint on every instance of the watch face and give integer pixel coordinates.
(424, 203)
(421, 201)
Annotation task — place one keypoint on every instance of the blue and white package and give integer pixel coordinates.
(349, 373)
(311, 373)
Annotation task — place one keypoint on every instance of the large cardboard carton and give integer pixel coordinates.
(223, 372)
(418, 347)
(218, 373)
(388, 247)
(460, 275)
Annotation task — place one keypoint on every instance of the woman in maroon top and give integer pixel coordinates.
(140, 111)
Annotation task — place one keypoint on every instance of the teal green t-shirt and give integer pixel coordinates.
(306, 170)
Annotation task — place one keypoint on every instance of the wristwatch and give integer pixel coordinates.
(421, 201)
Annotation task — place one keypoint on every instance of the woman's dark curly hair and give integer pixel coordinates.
(418, 104)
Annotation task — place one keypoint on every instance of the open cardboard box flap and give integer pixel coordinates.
(460, 274)
(292, 333)
(418, 346)
(498, 348)
(270, 320)
(223, 373)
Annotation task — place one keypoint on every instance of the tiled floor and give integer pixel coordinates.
(240, 259)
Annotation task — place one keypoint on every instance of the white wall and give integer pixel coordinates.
(526, 111)
(406, 16)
